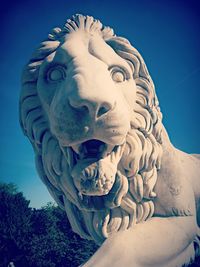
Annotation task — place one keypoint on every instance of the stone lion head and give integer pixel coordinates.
(89, 108)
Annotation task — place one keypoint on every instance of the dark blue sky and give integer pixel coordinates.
(167, 33)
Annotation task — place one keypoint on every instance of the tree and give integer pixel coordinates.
(53, 242)
(37, 237)
(15, 225)
(48, 244)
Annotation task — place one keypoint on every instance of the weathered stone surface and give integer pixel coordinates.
(88, 106)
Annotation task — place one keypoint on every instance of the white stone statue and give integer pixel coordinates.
(89, 108)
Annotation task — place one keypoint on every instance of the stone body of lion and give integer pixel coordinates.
(89, 108)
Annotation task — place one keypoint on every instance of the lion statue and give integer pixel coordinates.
(89, 108)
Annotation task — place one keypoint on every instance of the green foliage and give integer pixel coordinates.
(37, 237)
(9, 188)
(49, 244)
(15, 225)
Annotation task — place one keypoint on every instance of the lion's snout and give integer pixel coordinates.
(93, 107)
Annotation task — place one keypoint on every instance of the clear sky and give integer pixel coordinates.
(167, 33)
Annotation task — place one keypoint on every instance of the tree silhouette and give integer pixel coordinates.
(15, 225)
(37, 237)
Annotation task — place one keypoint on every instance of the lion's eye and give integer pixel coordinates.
(118, 75)
(56, 74)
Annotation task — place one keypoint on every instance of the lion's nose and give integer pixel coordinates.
(94, 108)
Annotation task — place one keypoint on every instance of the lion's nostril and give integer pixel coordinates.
(79, 105)
(94, 108)
(103, 109)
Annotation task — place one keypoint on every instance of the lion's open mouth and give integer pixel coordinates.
(95, 173)
(93, 149)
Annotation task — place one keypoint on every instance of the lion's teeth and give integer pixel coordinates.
(102, 151)
(76, 148)
(109, 148)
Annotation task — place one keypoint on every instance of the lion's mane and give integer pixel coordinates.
(54, 164)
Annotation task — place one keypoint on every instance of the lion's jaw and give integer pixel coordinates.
(95, 169)
(97, 178)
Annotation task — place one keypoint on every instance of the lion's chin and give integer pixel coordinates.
(95, 174)
(109, 201)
